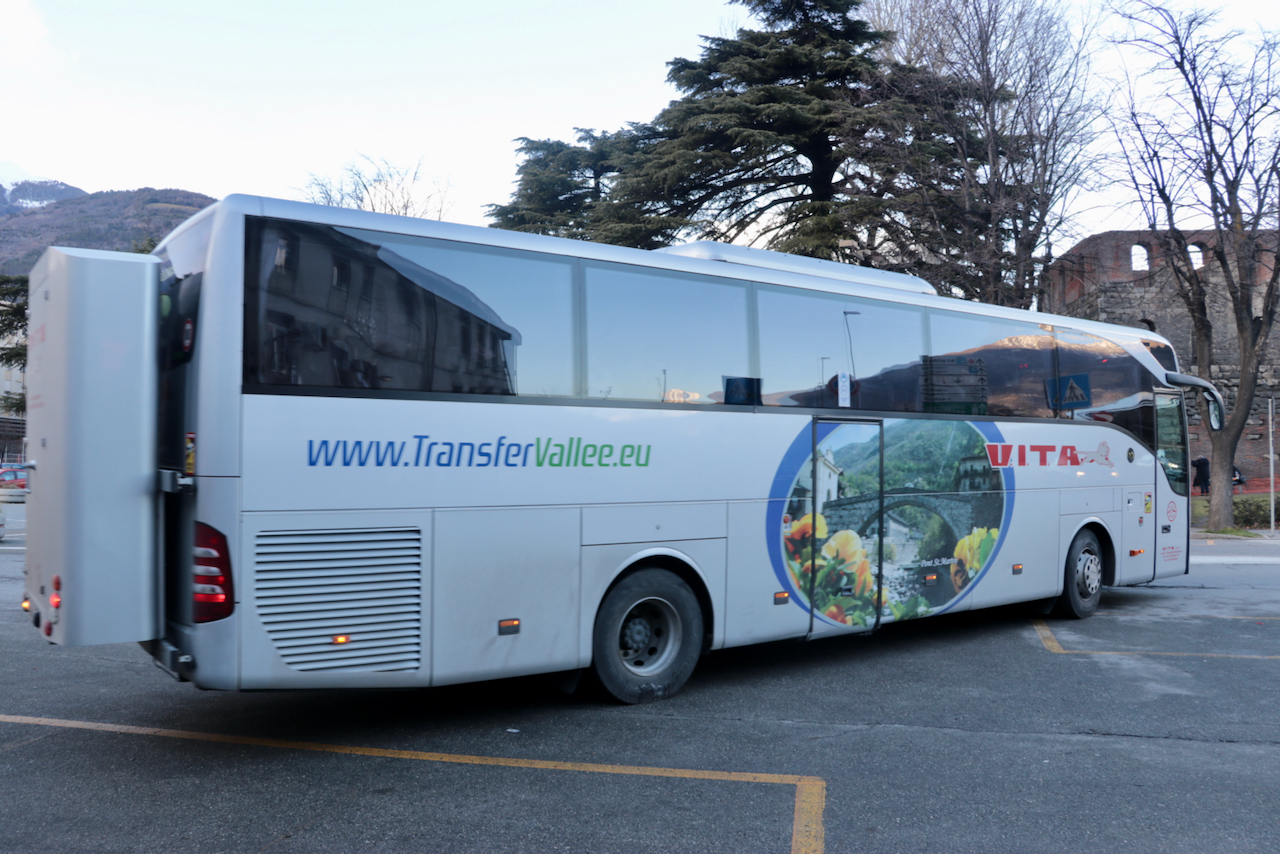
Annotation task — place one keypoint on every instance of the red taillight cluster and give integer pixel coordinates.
(213, 597)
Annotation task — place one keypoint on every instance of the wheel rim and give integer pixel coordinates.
(649, 636)
(1088, 573)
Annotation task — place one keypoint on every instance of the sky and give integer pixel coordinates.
(254, 96)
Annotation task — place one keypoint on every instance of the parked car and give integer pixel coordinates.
(13, 478)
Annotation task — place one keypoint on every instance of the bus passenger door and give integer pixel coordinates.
(844, 478)
(1172, 487)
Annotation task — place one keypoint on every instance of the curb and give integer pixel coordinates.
(1202, 534)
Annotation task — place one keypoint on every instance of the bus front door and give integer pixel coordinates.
(1172, 488)
(846, 484)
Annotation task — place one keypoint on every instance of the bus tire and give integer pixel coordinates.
(648, 636)
(1082, 588)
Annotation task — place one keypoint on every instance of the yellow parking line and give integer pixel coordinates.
(807, 831)
(1051, 643)
(1046, 636)
(811, 792)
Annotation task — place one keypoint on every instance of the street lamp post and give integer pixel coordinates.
(848, 334)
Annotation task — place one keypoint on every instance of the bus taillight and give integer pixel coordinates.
(212, 595)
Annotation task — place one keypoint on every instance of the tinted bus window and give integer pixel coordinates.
(987, 366)
(807, 339)
(351, 308)
(1163, 353)
(1171, 435)
(654, 335)
(1100, 381)
(1110, 373)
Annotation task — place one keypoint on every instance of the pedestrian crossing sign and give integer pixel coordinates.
(1069, 392)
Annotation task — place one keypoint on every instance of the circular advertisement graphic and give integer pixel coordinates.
(930, 515)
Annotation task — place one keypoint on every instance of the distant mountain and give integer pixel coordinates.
(117, 219)
(25, 195)
(21, 191)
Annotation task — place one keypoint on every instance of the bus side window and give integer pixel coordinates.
(661, 336)
(987, 366)
(808, 339)
(351, 308)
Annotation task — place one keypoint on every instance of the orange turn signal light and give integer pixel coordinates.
(1136, 552)
(508, 627)
(781, 598)
(342, 638)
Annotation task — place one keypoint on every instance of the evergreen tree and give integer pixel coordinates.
(13, 336)
(950, 158)
(566, 190)
(755, 148)
(905, 209)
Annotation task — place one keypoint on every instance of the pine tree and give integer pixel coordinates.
(13, 336)
(566, 190)
(754, 149)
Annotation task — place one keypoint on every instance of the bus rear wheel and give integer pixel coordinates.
(647, 637)
(1083, 582)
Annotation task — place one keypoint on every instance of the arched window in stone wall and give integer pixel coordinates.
(1139, 257)
(1073, 289)
(1196, 253)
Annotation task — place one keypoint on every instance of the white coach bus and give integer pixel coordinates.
(307, 447)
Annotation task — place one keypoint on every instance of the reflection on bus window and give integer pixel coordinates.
(808, 339)
(348, 308)
(987, 366)
(662, 336)
(1100, 381)
(1163, 352)
(1171, 450)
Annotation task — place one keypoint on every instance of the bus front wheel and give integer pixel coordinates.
(648, 636)
(1083, 583)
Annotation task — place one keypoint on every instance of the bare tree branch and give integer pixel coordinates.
(1200, 148)
(380, 186)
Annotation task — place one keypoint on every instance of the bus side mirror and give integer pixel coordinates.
(1213, 411)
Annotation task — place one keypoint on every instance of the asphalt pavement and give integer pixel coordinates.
(1150, 727)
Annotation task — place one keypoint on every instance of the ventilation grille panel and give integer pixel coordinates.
(364, 583)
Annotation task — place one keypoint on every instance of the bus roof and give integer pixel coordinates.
(768, 260)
